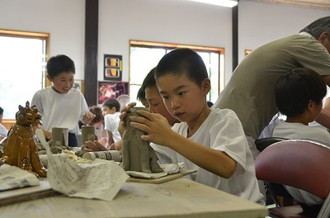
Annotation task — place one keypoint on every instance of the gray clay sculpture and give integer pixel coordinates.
(137, 155)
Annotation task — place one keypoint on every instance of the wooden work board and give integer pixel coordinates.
(27, 193)
(162, 179)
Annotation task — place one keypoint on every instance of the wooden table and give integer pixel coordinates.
(176, 198)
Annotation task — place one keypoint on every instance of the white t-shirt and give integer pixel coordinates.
(60, 110)
(221, 131)
(3, 131)
(111, 123)
(301, 131)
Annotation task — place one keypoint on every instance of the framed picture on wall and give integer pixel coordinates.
(79, 84)
(113, 65)
(108, 89)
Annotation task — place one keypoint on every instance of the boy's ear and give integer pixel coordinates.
(49, 78)
(310, 104)
(206, 86)
(323, 37)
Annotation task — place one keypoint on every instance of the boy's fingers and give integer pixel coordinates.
(128, 107)
(122, 115)
(132, 104)
(139, 126)
(145, 114)
(145, 137)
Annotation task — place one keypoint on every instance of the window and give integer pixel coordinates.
(22, 69)
(145, 55)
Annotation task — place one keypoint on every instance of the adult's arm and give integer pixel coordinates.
(324, 118)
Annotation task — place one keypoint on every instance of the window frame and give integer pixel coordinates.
(164, 45)
(8, 123)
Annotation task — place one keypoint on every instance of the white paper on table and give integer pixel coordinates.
(101, 179)
(13, 177)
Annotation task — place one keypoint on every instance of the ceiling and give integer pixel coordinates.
(323, 4)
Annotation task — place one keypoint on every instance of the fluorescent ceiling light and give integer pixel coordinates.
(224, 3)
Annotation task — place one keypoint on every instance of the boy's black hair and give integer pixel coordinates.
(182, 61)
(141, 95)
(60, 64)
(318, 26)
(1, 111)
(295, 89)
(148, 81)
(112, 102)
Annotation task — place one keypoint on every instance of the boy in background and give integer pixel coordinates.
(211, 141)
(149, 96)
(111, 108)
(154, 99)
(3, 130)
(299, 95)
(98, 123)
(60, 104)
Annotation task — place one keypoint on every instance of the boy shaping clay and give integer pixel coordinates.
(211, 141)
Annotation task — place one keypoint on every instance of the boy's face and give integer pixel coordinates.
(183, 98)
(106, 110)
(97, 125)
(63, 82)
(156, 104)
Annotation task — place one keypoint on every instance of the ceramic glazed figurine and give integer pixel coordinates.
(21, 148)
(137, 154)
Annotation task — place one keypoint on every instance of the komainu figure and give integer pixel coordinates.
(138, 155)
(20, 148)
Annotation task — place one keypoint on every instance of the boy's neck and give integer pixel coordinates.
(303, 119)
(194, 125)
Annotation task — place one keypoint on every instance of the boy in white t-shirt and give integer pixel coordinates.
(60, 104)
(111, 108)
(299, 95)
(212, 141)
(3, 130)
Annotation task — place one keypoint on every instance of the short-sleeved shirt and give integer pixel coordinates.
(3, 131)
(301, 131)
(221, 131)
(111, 123)
(60, 110)
(250, 92)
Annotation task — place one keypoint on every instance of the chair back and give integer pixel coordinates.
(297, 163)
(263, 143)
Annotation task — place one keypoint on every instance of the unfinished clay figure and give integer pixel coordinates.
(21, 148)
(87, 134)
(137, 154)
(60, 140)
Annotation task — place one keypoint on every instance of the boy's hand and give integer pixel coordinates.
(122, 124)
(94, 146)
(88, 117)
(154, 125)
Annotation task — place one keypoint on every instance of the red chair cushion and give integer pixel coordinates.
(301, 164)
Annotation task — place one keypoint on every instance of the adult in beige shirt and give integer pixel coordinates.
(251, 89)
